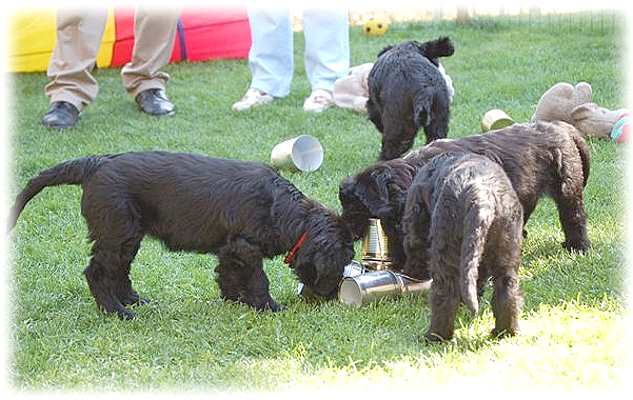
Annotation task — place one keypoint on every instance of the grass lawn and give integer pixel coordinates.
(573, 319)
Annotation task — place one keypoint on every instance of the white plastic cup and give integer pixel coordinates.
(303, 153)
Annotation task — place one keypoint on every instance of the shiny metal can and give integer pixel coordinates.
(373, 285)
(376, 246)
(375, 242)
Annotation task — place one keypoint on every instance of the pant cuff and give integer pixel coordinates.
(146, 85)
(69, 98)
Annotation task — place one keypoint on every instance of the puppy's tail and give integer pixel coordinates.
(584, 152)
(441, 47)
(422, 108)
(427, 105)
(72, 172)
(476, 225)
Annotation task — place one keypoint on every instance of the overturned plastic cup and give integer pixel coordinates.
(300, 154)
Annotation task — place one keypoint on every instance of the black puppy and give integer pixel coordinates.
(406, 92)
(379, 191)
(463, 218)
(543, 158)
(240, 211)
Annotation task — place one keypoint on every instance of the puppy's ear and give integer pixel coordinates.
(418, 200)
(354, 216)
(441, 47)
(383, 51)
(374, 194)
(346, 189)
(329, 272)
(427, 194)
(403, 174)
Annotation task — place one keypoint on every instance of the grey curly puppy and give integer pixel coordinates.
(240, 211)
(407, 92)
(463, 218)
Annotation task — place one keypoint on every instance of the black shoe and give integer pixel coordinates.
(154, 102)
(60, 115)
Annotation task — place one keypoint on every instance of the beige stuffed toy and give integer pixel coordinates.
(595, 121)
(572, 104)
(558, 102)
(351, 91)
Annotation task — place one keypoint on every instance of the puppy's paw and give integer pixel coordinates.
(142, 301)
(270, 305)
(125, 314)
(115, 307)
(275, 307)
(580, 246)
(502, 333)
(134, 299)
(433, 337)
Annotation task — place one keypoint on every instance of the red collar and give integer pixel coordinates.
(290, 257)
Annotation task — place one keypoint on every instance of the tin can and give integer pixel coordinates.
(376, 246)
(362, 289)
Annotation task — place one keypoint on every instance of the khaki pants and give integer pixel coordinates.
(79, 34)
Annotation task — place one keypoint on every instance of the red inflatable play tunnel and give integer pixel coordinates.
(202, 35)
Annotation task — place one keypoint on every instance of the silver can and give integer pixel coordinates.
(373, 285)
(376, 254)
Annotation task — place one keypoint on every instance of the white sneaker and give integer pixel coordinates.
(253, 97)
(318, 101)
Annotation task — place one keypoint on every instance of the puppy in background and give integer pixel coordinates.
(464, 219)
(240, 211)
(407, 91)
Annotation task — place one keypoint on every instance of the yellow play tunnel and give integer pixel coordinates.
(32, 39)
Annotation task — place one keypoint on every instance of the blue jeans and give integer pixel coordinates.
(271, 56)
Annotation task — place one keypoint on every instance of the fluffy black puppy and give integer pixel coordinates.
(463, 218)
(240, 211)
(406, 92)
(379, 191)
(540, 159)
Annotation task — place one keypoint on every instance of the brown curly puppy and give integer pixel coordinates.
(540, 159)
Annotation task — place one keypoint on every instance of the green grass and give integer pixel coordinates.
(188, 338)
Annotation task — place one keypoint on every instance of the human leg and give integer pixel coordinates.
(72, 85)
(154, 33)
(326, 53)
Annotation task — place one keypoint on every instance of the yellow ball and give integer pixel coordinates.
(375, 27)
